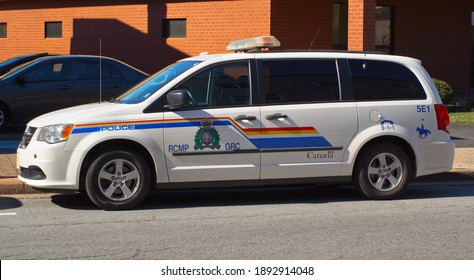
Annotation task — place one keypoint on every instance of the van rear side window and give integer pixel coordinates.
(300, 81)
(384, 80)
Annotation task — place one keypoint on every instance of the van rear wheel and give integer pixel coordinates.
(383, 171)
(118, 179)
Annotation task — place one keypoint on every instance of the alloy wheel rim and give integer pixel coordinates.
(119, 179)
(385, 172)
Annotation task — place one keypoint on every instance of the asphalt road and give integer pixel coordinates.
(463, 135)
(428, 222)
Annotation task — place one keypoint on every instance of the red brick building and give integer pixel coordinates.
(151, 34)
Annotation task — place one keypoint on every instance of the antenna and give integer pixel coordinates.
(314, 38)
(364, 65)
(100, 70)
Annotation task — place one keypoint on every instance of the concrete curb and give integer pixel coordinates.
(14, 186)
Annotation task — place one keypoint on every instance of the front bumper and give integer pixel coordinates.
(47, 166)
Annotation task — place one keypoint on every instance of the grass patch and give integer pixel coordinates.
(462, 117)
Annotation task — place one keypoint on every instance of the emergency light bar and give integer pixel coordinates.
(254, 43)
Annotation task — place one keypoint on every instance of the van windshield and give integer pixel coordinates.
(151, 85)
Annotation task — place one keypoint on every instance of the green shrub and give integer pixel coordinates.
(445, 90)
(462, 117)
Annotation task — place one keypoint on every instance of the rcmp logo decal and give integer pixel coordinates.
(206, 137)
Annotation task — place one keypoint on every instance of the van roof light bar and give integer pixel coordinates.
(256, 43)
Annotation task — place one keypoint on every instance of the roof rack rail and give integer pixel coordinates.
(321, 51)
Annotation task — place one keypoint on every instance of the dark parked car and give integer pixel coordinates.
(55, 82)
(13, 62)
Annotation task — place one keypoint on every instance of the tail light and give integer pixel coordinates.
(442, 116)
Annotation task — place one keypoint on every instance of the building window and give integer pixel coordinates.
(339, 26)
(174, 28)
(472, 49)
(383, 29)
(3, 30)
(53, 29)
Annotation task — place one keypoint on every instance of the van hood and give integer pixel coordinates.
(82, 114)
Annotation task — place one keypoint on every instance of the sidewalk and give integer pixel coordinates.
(463, 170)
(9, 184)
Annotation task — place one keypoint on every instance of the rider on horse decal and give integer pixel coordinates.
(422, 132)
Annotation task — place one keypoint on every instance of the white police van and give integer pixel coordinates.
(253, 117)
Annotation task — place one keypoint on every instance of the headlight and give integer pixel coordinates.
(55, 133)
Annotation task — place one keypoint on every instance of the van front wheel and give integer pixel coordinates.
(383, 171)
(118, 179)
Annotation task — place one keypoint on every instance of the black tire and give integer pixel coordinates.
(383, 171)
(4, 117)
(118, 179)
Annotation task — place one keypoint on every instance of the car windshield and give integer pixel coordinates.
(15, 69)
(151, 85)
(9, 61)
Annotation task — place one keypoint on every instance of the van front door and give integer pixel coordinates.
(216, 137)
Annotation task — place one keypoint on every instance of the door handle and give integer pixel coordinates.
(276, 116)
(245, 118)
(65, 87)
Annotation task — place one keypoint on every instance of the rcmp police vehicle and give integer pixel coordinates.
(248, 118)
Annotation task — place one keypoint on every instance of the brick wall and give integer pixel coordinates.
(361, 25)
(296, 23)
(130, 30)
(212, 25)
(216, 23)
(438, 33)
(83, 23)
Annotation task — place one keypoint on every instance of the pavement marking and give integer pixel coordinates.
(8, 214)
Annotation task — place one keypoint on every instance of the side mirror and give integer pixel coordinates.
(177, 99)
